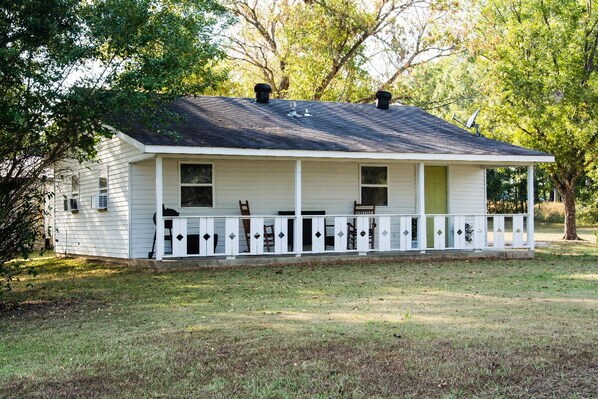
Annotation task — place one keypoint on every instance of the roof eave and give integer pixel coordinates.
(487, 159)
(473, 158)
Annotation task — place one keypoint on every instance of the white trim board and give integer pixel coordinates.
(155, 149)
(245, 152)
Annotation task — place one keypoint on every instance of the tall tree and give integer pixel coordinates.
(68, 65)
(337, 49)
(540, 61)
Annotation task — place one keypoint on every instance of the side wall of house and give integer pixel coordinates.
(467, 189)
(89, 231)
(269, 186)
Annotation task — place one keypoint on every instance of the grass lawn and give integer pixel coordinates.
(483, 328)
(555, 232)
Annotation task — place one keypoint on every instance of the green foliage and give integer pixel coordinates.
(531, 66)
(588, 212)
(448, 86)
(506, 190)
(67, 66)
(542, 85)
(11, 273)
(337, 50)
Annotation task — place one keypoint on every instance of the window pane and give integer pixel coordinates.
(74, 184)
(103, 179)
(196, 196)
(196, 174)
(374, 175)
(374, 196)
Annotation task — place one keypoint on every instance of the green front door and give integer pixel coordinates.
(435, 178)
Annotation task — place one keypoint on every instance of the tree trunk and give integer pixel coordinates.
(566, 188)
(570, 213)
(283, 87)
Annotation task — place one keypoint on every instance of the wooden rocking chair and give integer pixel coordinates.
(268, 229)
(361, 209)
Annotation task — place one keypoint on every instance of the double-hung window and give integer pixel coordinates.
(75, 187)
(72, 203)
(197, 188)
(103, 181)
(374, 185)
(102, 198)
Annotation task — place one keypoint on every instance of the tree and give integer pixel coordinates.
(66, 66)
(444, 87)
(336, 49)
(539, 58)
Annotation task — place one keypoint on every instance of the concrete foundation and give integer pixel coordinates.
(247, 261)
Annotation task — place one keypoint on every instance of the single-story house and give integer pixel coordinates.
(266, 177)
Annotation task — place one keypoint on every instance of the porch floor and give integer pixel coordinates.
(260, 260)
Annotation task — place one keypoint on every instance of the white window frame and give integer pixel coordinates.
(387, 185)
(75, 194)
(181, 184)
(102, 192)
(100, 189)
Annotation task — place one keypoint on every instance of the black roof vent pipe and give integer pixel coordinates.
(383, 99)
(262, 93)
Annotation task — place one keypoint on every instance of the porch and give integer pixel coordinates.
(291, 231)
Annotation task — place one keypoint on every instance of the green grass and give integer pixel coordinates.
(479, 328)
(555, 232)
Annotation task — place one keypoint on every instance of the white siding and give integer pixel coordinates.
(143, 206)
(333, 186)
(90, 232)
(467, 192)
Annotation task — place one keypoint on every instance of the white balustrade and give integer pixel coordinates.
(179, 237)
(225, 236)
(498, 226)
(340, 234)
(231, 237)
(405, 233)
(518, 231)
(459, 232)
(479, 232)
(281, 236)
(318, 234)
(384, 233)
(439, 232)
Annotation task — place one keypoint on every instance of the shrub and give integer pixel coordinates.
(550, 212)
(588, 214)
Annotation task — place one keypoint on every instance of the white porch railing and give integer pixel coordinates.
(232, 236)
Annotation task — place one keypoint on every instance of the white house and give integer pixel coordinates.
(301, 166)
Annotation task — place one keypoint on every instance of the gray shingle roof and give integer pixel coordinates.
(243, 123)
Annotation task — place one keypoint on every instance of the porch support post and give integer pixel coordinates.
(530, 207)
(421, 208)
(159, 215)
(298, 244)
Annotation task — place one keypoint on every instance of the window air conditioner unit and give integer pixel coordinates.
(71, 205)
(100, 202)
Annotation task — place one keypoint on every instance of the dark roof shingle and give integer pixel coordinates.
(243, 123)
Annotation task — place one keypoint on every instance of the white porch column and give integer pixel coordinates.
(421, 208)
(298, 244)
(159, 215)
(530, 207)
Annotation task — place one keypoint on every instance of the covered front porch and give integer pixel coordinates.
(311, 224)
